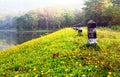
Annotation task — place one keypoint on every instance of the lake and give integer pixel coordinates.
(11, 38)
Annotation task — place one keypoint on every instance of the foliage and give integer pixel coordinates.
(104, 12)
(113, 12)
(64, 54)
(27, 22)
(116, 27)
(69, 18)
(7, 23)
(94, 10)
(48, 18)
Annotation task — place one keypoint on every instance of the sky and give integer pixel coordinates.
(25, 5)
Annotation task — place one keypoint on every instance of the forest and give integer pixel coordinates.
(104, 12)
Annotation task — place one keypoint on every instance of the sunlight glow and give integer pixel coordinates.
(22, 5)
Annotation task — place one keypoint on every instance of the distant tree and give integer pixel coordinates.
(34, 21)
(79, 16)
(59, 21)
(116, 2)
(94, 10)
(20, 23)
(113, 12)
(27, 22)
(47, 18)
(69, 18)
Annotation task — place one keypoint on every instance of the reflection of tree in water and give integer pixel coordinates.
(25, 36)
(7, 38)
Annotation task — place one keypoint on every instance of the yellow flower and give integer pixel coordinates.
(66, 69)
(71, 75)
(3, 73)
(80, 65)
(30, 70)
(102, 62)
(34, 69)
(72, 53)
(49, 70)
(109, 73)
(108, 76)
(73, 56)
(76, 63)
(36, 75)
(16, 75)
(96, 66)
(42, 73)
(88, 62)
(66, 75)
(46, 72)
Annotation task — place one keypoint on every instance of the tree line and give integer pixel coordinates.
(104, 12)
(48, 18)
(7, 23)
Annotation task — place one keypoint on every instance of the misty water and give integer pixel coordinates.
(12, 38)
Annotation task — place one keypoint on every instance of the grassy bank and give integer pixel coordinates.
(64, 54)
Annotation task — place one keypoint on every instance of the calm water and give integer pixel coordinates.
(11, 38)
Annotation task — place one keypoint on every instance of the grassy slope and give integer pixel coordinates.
(35, 58)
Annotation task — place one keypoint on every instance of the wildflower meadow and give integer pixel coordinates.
(64, 53)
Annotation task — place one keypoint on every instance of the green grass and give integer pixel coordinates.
(116, 27)
(76, 59)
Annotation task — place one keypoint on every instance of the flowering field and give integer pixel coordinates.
(64, 54)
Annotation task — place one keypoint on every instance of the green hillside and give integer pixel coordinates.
(64, 54)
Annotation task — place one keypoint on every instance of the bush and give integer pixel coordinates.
(116, 27)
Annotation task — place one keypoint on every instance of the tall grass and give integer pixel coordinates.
(64, 54)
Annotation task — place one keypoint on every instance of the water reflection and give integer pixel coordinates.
(7, 39)
(11, 38)
(25, 36)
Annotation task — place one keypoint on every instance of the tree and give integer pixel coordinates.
(79, 16)
(20, 23)
(69, 18)
(34, 21)
(115, 2)
(113, 12)
(48, 18)
(59, 20)
(27, 22)
(94, 10)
